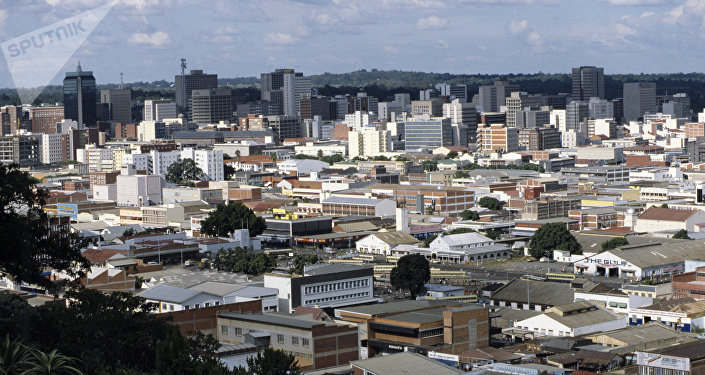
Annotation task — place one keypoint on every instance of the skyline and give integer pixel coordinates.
(141, 39)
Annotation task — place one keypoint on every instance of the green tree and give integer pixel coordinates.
(664, 205)
(225, 219)
(411, 273)
(332, 159)
(243, 260)
(461, 174)
(271, 362)
(29, 247)
(320, 154)
(490, 203)
(427, 241)
(228, 171)
(430, 165)
(380, 158)
(470, 215)
(128, 232)
(553, 236)
(493, 234)
(614, 243)
(461, 231)
(452, 155)
(301, 260)
(182, 171)
(682, 235)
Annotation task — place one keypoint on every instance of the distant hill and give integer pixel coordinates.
(383, 84)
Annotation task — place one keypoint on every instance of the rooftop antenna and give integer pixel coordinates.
(183, 84)
(121, 85)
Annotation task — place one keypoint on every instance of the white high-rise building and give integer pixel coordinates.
(52, 148)
(138, 190)
(158, 110)
(162, 160)
(369, 142)
(462, 114)
(358, 120)
(210, 162)
(141, 162)
(600, 108)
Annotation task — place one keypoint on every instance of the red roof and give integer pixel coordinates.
(100, 256)
(666, 214)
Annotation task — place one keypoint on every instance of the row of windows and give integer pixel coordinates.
(337, 298)
(280, 338)
(431, 332)
(187, 307)
(298, 354)
(336, 286)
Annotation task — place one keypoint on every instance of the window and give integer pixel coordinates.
(217, 303)
(186, 307)
(224, 330)
(280, 339)
(171, 307)
(304, 342)
(208, 304)
(197, 305)
(294, 340)
(164, 306)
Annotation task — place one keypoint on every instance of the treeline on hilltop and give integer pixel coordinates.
(384, 84)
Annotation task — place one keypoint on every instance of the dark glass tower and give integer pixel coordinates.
(80, 97)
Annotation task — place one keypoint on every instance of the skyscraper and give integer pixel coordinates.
(588, 82)
(80, 97)
(639, 98)
(118, 102)
(211, 106)
(575, 113)
(195, 80)
(284, 88)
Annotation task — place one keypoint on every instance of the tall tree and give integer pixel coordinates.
(271, 362)
(490, 203)
(411, 273)
(227, 218)
(30, 246)
(553, 236)
(183, 171)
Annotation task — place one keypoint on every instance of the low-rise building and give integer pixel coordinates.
(573, 319)
(683, 359)
(325, 285)
(337, 206)
(659, 219)
(383, 242)
(315, 344)
(683, 314)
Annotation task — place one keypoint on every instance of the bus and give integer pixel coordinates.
(383, 269)
(365, 257)
(347, 261)
(533, 278)
(464, 298)
(438, 273)
(392, 258)
(560, 276)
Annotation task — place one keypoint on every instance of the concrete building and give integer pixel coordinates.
(138, 190)
(159, 109)
(284, 88)
(338, 206)
(209, 161)
(575, 114)
(368, 142)
(462, 113)
(539, 138)
(118, 103)
(549, 208)
(44, 118)
(210, 106)
(24, 150)
(639, 99)
(588, 82)
(324, 285)
(494, 137)
(54, 148)
(600, 108)
(657, 219)
(80, 97)
(142, 162)
(314, 343)
(571, 320)
(686, 359)
(194, 80)
(682, 314)
(358, 120)
(383, 242)
(285, 126)
(160, 161)
(432, 108)
(428, 133)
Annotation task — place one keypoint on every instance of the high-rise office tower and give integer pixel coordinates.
(459, 92)
(575, 113)
(639, 98)
(491, 98)
(80, 97)
(159, 109)
(211, 106)
(284, 87)
(195, 80)
(588, 82)
(462, 113)
(44, 119)
(428, 133)
(118, 103)
(517, 101)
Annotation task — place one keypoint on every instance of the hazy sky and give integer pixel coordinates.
(146, 38)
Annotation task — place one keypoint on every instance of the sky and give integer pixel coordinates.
(146, 39)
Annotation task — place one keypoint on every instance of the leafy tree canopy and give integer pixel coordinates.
(271, 362)
(183, 171)
(300, 260)
(682, 235)
(227, 218)
(243, 260)
(553, 236)
(29, 247)
(614, 243)
(490, 203)
(469, 215)
(411, 273)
